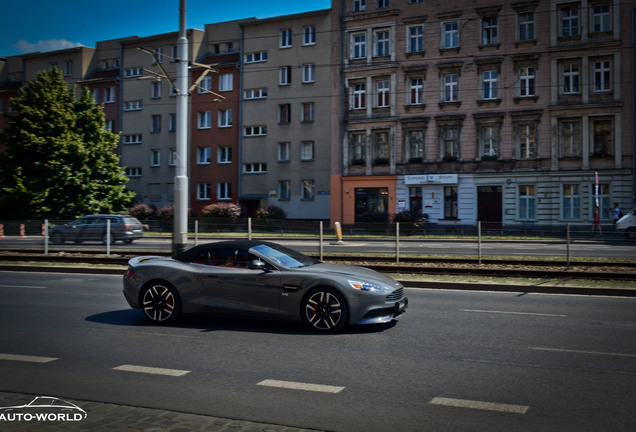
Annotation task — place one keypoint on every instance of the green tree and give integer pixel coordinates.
(60, 161)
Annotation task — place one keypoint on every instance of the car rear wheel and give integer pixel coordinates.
(105, 238)
(160, 302)
(324, 309)
(57, 238)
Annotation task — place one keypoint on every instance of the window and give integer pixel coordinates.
(570, 138)
(225, 118)
(527, 81)
(226, 82)
(307, 114)
(155, 158)
(416, 91)
(256, 57)
(307, 151)
(489, 84)
(283, 151)
(571, 78)
(381, 148)
(109, 95)
(450, 34)
(204, 155)
(451, 88)
(172, 123)
(527, 202)
(258, 93)
(415, 38)
(358, 146)
(571, 201)
(309, 35)
(133, 105)
(450, 202)
(359, 5)
(569, 21)
(285, 38)
(450, 143)
(204, 120)
(205, 85)
(132, 171)
(359, 46)
(133, 72)
(133, 139)
(172, 157)
(155, 123)
(415, 145)
(158, 55)
(489, 31)
(250, 131)
(254, 168)
(359, 96)
(489, 141)
(224, 191)
(308, 187)
(284, 75)
(527, 141)
(382, 94)
(109, 125)
(601, 198)
(68, 67)
(382, 43)
(309, 73)
(602, 76)
(382, 4)
(203, 191)
(155, 89)
(284, 113)
(525, 22)
(602, 145)
(284, 190)
(601, 21)
(224, 155)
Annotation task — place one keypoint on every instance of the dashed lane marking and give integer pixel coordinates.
(301, 386)
(472, 404)
(151, 370)
(511, 313)
(27, 358)
(569, 351)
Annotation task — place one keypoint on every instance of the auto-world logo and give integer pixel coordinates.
(43, 409)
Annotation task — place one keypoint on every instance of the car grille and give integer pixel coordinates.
(395, 295)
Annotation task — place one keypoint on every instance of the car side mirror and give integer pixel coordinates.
(258, 265)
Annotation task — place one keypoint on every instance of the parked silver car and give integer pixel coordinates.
(258, 278)
(122, 227)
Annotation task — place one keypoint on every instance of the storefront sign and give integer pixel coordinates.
(422, 179)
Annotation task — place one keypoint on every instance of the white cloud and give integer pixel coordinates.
(24, 46)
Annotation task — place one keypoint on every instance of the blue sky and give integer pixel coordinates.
(46, 25)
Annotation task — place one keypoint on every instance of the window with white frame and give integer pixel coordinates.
(205, 85)
(172, 157)
(284, 190)
(252, 131)
(256, 57)
(135, 105)
(283, 151)
(415, 38)
(527, 140)
(204, 155)
(382, 4)
(172, 122)
(204, 119)
(226, 82)
(525, 26)
(155, 157)
(307, 114)
(570, 138)
(450, 92)
(224, 191)
(571, 203)
(256, 93)
(449, 137)
(224, 155)
(450, 34)
(527, 202)
(358, 142)
(133, 139)
(358, 46)
(109, 125)
(255, 168)
(307, 151)
(601, 19)
(382, 45)
(569, 20)
(571, 78)
(602, 74)
(225, 118)
(285, 38)
(284, 75)
(602, 138)
(309, 73)
(109, 94)
(155, 89)
(309, 35)
(155, 123)
(204, 191)
(133, 72)
(381, 148)
(415, 145)
(132, 171)
(158, 55)
(489, 141)
(382, 93)
(416, 91)
(308, 190)
(489, 30)
(527, 80)
(284, 113)
(489, 83)
(68, 67)
(358, 93)
(601, 197)
(359, 5)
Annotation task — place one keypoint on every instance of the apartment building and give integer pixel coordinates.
(497, 112)
(286, 114)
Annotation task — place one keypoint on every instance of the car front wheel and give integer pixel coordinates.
(105, 239)
(57, 238)
(160, 302)
(324, 310)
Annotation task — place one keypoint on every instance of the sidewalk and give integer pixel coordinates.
(110, 417)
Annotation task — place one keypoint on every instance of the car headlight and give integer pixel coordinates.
(368, 286)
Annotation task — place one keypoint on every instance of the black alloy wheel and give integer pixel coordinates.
(160, 303)
(324, 310)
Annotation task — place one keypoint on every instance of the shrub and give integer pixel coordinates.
(410, 221)
(142, 211)
(228, 211)
(271, 212)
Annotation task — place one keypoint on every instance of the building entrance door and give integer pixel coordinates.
(489, 206)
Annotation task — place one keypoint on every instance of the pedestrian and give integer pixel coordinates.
(617, 212)
(596, 221)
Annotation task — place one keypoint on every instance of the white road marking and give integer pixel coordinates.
(151, 370)
(27, 358)
(301, 386)
(22, 286)
(489, 406)
(511, 313)
(583, 352)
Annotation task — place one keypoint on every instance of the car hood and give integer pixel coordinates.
(353, 273)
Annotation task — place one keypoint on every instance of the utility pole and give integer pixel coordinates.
(180, 230)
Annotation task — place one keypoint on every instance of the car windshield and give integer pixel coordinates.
(283, 256)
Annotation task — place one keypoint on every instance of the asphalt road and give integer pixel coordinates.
(457, 361)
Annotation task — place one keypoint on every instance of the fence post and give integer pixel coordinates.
(567, 242)
(321, 244)
(196, 232)
(479, 241)
(249, 228)
(108, 237)
(397, 242)
(45, 233)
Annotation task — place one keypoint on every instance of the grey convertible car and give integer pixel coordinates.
(260, 279)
